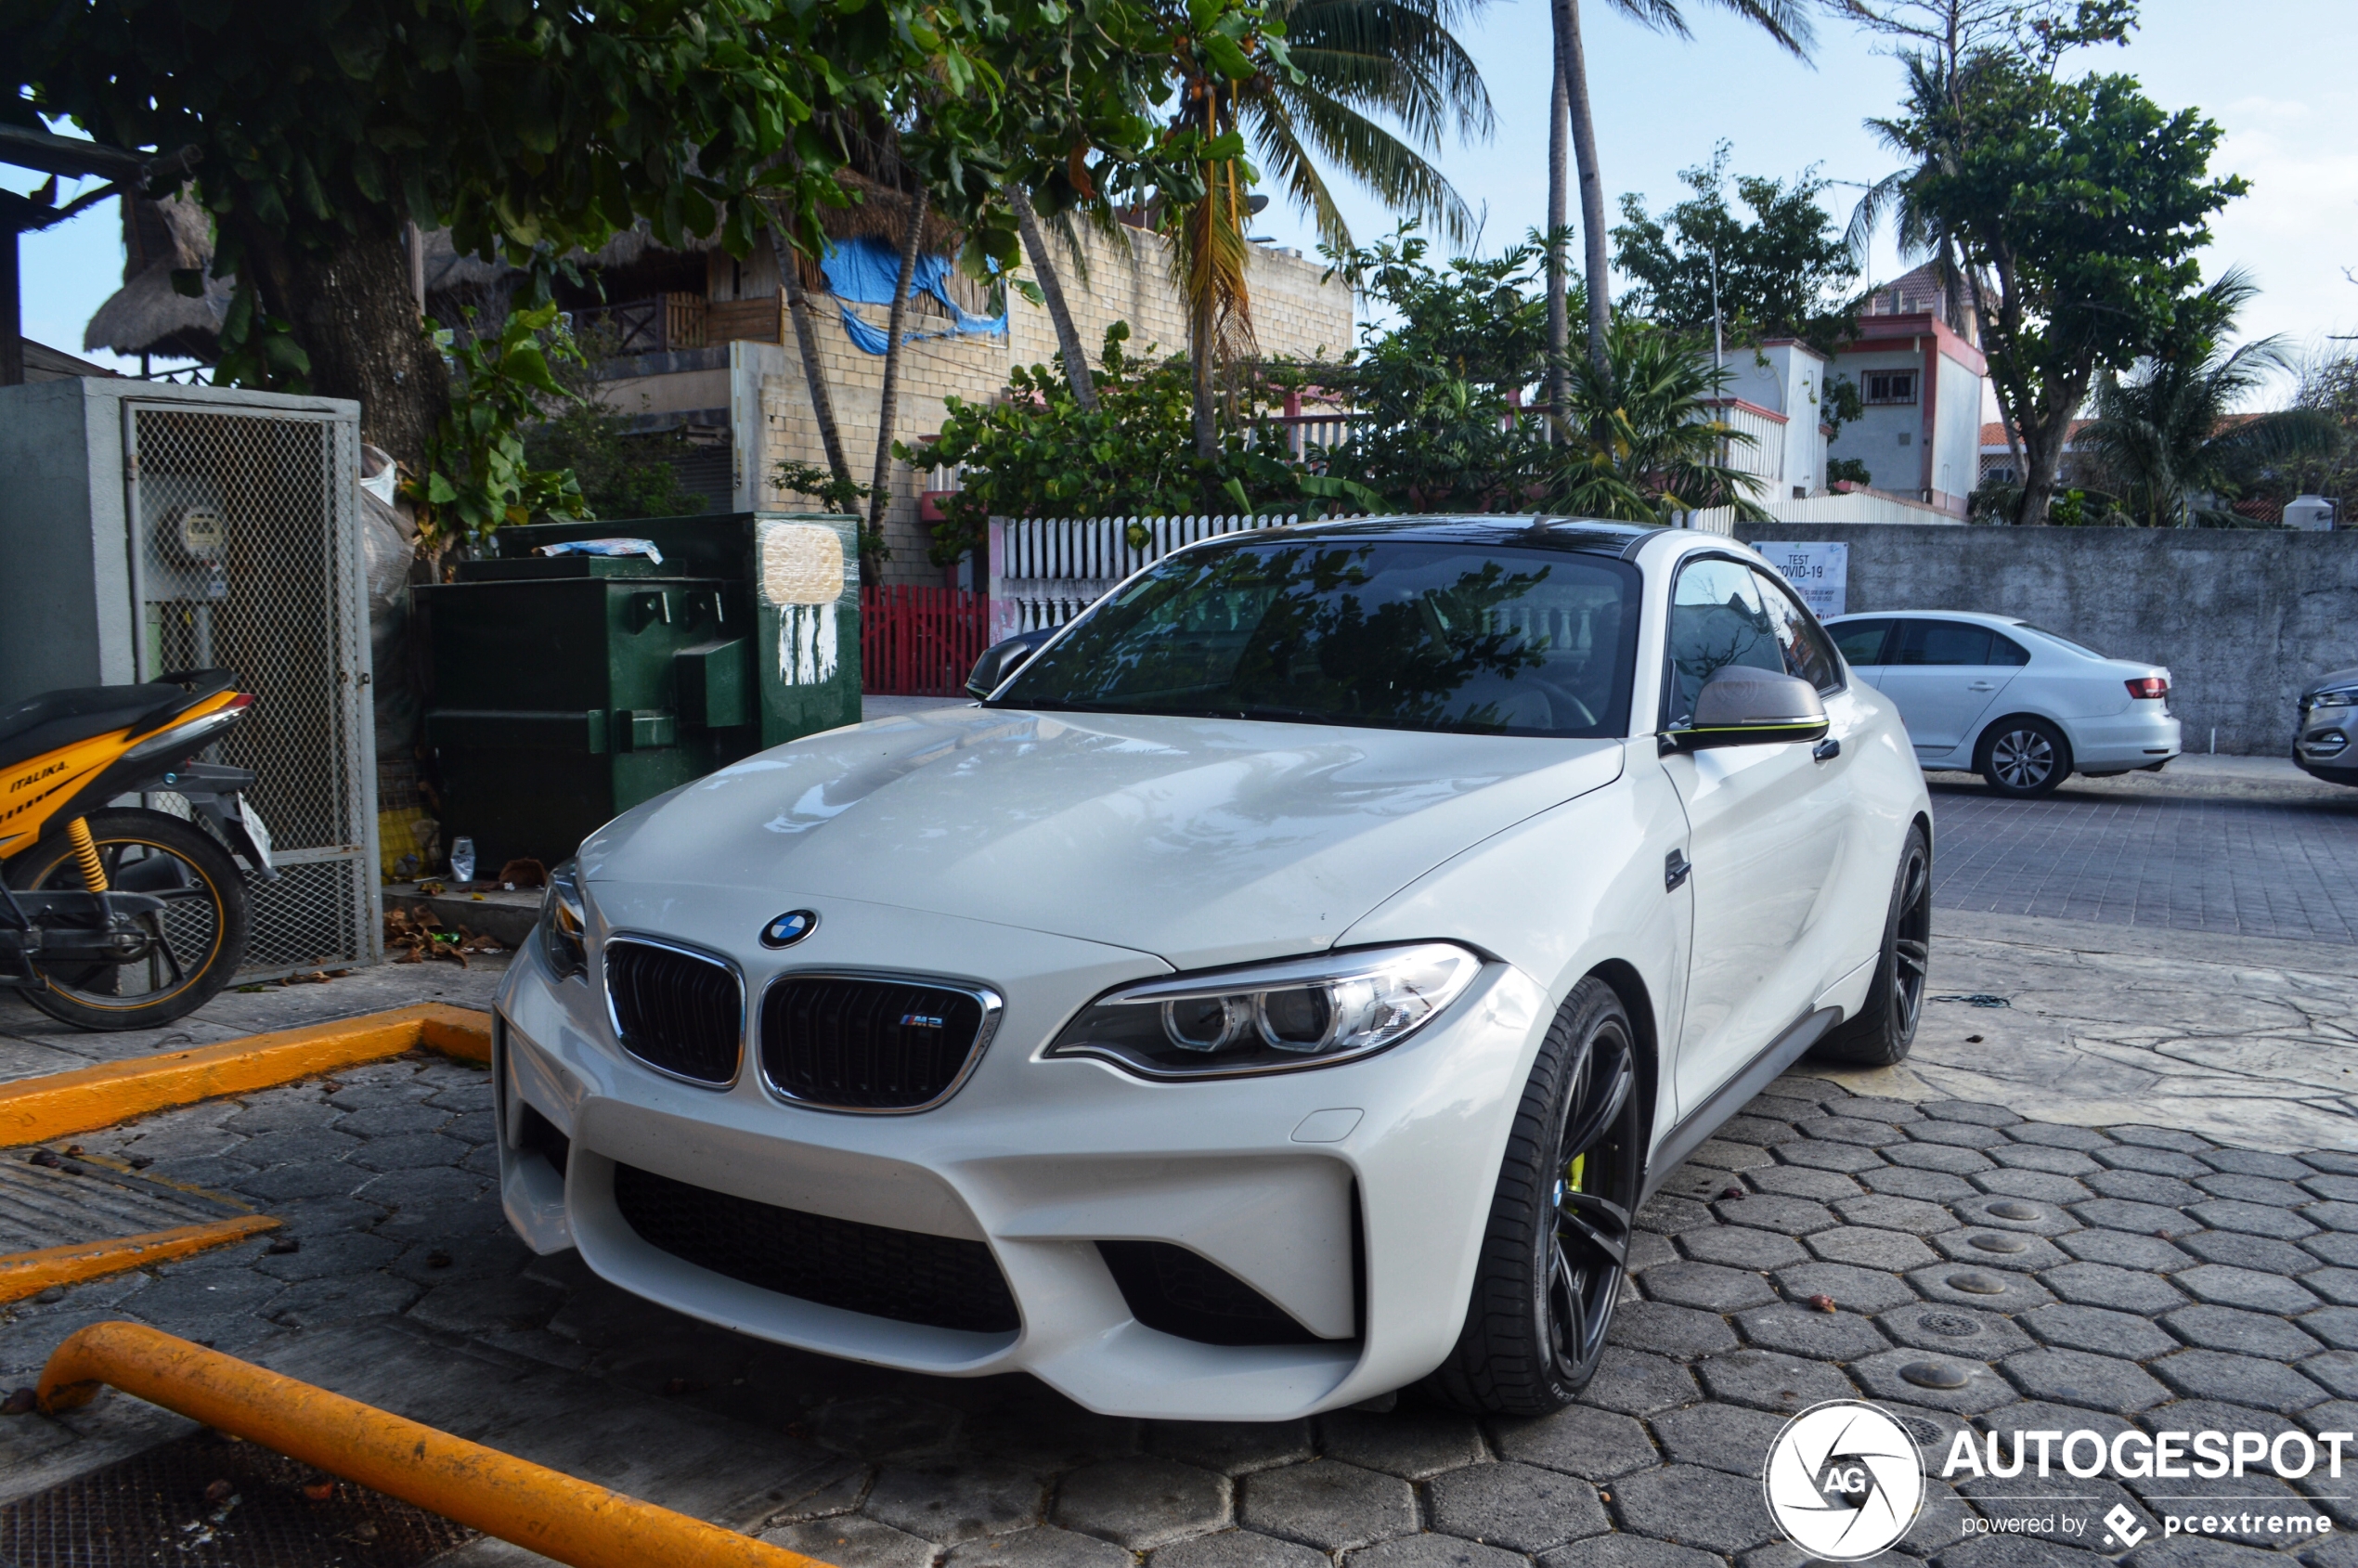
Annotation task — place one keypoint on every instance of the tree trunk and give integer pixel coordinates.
(1052, 291)
(1592, 182)
(880, 491)
(352, 314)
(1202, 323)
(1559, 184)
(814, 375)
(2043, 438)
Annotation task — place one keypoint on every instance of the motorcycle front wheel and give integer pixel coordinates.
(196, 941)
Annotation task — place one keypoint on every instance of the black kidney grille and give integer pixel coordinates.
(866, 1044)
(674, 1010)
(936, 1280)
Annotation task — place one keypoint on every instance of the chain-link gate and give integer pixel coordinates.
(246, 557)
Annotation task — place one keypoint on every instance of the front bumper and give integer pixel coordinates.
(2327, 746)
(1352, 1197)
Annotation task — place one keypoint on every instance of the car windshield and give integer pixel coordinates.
(1402, 634)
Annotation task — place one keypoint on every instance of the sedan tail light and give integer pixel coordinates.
(2149, 686)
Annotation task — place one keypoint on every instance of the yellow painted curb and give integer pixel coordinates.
(541, 1509)
(25, 1273)
(36, 1109)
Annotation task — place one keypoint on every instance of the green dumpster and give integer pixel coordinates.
(567, 688)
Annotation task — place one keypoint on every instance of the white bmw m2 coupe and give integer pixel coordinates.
(1283, 986)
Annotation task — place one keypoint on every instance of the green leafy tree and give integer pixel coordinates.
(478, 474)
(1783, 273)
(1640, 442)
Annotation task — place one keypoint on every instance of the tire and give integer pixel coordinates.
(1550, 1270)
(204, 931)
(1885, 1026)
(2025, 758)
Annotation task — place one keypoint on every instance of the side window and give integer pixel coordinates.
(1860, 641)
(1801, 639)
(1924, 643)
(2004, 650)
(1717, 618)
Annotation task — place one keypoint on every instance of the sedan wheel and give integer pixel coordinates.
(2025, 757)
(1554, 1257)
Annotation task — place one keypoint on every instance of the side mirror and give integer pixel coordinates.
(1743, 707)
(1002, 659)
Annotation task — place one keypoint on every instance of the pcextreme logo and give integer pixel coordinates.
(1844, 1480)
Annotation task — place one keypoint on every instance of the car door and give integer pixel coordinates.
(1766, 826)
(1862, 644)
(1943, 675)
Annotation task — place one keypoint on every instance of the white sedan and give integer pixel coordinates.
(1285, 987)
(2022, 707)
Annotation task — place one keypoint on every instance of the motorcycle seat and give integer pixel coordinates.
(80, 713)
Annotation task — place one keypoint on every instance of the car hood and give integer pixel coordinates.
(1203, 841)
(2325, 682)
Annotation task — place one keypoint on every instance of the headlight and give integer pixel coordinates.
(1272, 1018)
(565, 922)
(2341, 697)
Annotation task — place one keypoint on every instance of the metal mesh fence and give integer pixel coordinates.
(247, 560)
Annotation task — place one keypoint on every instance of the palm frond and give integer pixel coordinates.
(1289, 123)
(1398, 57)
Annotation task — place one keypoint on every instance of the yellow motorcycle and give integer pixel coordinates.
(113, 915)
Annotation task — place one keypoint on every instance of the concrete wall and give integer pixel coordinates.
(2244, 620)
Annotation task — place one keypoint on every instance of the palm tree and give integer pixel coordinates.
(2167, 435)
(1638, 440)
(1786, 21)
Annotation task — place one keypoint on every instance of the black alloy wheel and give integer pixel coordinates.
(1884, 1028)
(1553, 1258)
(2025, 758)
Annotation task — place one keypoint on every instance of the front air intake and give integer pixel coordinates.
(678, 1012)
(1186, 1294)
(846, 1043)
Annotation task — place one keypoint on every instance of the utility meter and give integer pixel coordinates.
(195, 535)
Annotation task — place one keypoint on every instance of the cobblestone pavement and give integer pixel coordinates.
(2174, 855)
(2052, 1278)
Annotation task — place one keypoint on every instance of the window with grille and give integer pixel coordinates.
(1889, 386)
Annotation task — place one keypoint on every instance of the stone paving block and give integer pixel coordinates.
(1141, 1502)
(850, 1542)
(1671, 1214)
(1768, 1380)
(1707, 1285)
(1803, 1331)
(282, 1113)
(1875, 1108)
(2076, 1376)
(319, 1178)
(2261, 1219)
(2338, 1286)
(1850, 1287)
(1850, 1130)
(1230, 1447)
(1788, 1216)
(429, 1187)
(2119, 1288)
(209, 1294)
(2161, 1138)
(1046, 1547)
(1946, 1157)
(2152, 1161)
(1721, 1155)
(1580, 1439)
(1691, 1505)
(2340, 1188)
(1636, 1383)
(1885, 1212)
(1668, 1329)
(1908, 1180)
(1957, 1134)
(2041, 1187)
(1985, 1336)
(477, 1127)
(2124, 1248)
(1236, 1548)
(2120, 1213)
(1776, 1106)
(1760, 1130)
(1517, 1506)
(1617, 1551)
(1050, 1432)
(2245, 1287)
(2255, 1189)
(1328, 1505)
(2334, 1162)
(2237, 1250)
(2093, 1328)
(2026, 1215)
(2143, 1186)
(1723, 1437)
(2055, 1160)
(326, 1302)
(1973, 1111)
(2335, 1326)
(879, 1426)
(1887, 1377)
(2254, 1163)
(2245, 1333)
(1433, 1551)
(1999, 1249)
(2336, 1371)
(1409, 1444)
(1650, 1250)
(386, 1121)
(2333, 1214)
(2057, 1134)
(1800, 1181)
(959, 1500)
(1887, 1250)
(2334, 1247)
(409, 1151)
(338, 1252)
(2238, 1379)
(1741, 1247)
(1828, 1156)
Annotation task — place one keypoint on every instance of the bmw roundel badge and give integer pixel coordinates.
(789, 927)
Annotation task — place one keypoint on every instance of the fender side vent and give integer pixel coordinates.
(1186, 1294)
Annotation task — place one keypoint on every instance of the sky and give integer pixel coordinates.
(1661, 104)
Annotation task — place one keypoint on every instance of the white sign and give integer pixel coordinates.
(1819, 573)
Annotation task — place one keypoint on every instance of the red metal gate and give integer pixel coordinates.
(920, 641)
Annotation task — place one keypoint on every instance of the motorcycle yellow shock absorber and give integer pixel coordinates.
(85, 855)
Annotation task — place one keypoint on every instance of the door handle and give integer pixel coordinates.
(1982, 686)
(1675, 868)
(1826, 750)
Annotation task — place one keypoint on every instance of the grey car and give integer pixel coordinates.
(2326, 738)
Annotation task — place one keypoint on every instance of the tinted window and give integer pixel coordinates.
(1860, 641)
(1942, 642)
(2004, 650)
(2059, 637)
(1404, 634)
(1717, 618)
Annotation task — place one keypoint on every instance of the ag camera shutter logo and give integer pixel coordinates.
(1844, 1481)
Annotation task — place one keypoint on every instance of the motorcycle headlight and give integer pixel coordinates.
(1272, 1018)
(565, 922)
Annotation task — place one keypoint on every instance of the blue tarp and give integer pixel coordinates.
(866, 271)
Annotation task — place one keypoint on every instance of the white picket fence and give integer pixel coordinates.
(1046, 570)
